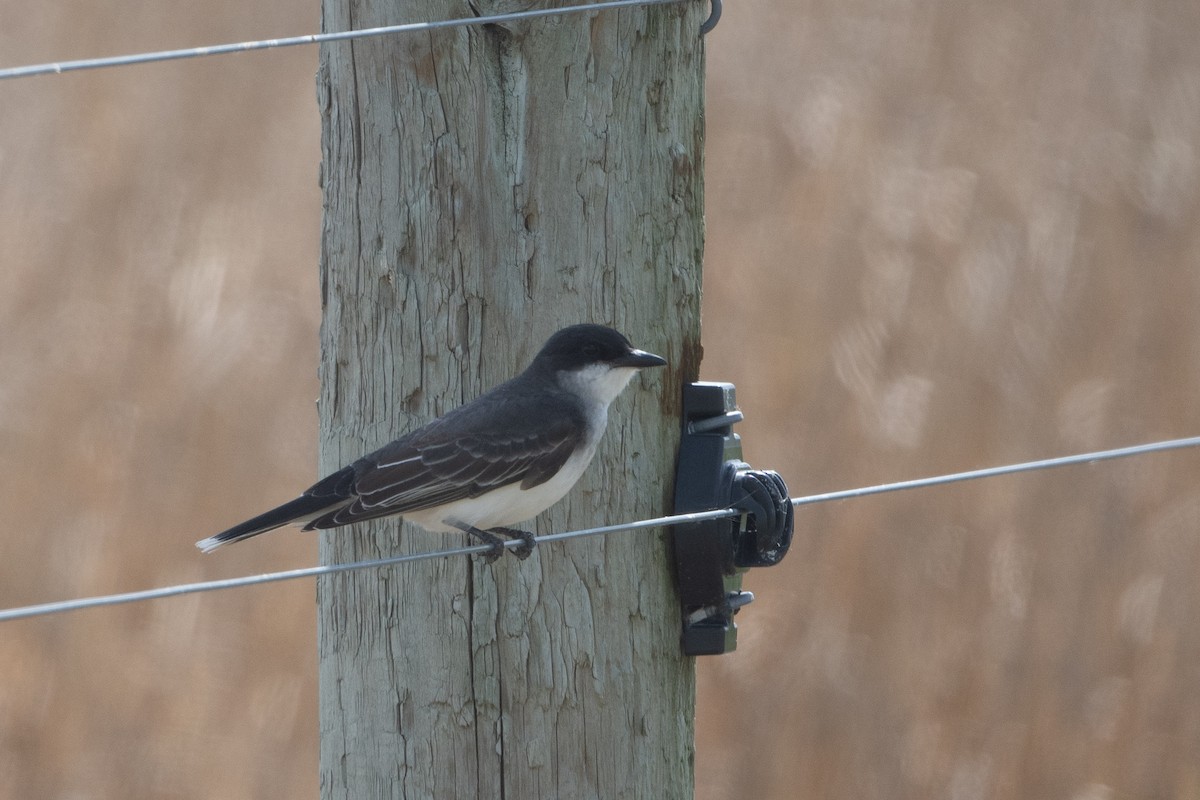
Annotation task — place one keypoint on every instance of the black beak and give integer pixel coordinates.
(639, 359)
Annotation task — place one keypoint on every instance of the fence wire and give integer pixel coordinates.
(59, 67)
(63, 606)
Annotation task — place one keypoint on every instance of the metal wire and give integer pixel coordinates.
(24, 612)
(315, 38)
(991, 472)
(329, 569)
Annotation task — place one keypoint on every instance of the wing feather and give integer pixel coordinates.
(493, 442)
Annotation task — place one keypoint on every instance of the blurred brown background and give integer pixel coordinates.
(942, 235)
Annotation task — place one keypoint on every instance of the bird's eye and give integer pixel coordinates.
(591, 350)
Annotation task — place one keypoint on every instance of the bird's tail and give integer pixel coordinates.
(298, 512)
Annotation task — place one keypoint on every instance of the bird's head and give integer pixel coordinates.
(594, 361)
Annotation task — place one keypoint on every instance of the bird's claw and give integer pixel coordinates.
(525, 548)
(496, 547)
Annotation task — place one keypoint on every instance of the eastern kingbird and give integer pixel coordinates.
(501, 459)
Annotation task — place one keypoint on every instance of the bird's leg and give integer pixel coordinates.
(492, 537)
(488, 538)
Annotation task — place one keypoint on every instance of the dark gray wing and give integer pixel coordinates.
(495, 441)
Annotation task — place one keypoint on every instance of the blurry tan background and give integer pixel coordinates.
(942, 235)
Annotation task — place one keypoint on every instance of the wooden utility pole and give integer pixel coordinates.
(483, 187)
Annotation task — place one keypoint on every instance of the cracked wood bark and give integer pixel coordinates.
(482, 188)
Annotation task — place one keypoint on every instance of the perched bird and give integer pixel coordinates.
(501, 459)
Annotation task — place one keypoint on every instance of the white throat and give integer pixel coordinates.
(598, 384)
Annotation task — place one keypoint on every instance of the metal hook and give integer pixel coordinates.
(713, 18)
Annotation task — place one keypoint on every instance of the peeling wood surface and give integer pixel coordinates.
(484, 187)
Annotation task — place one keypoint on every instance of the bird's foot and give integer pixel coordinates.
(493, 538)
(525, 548)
